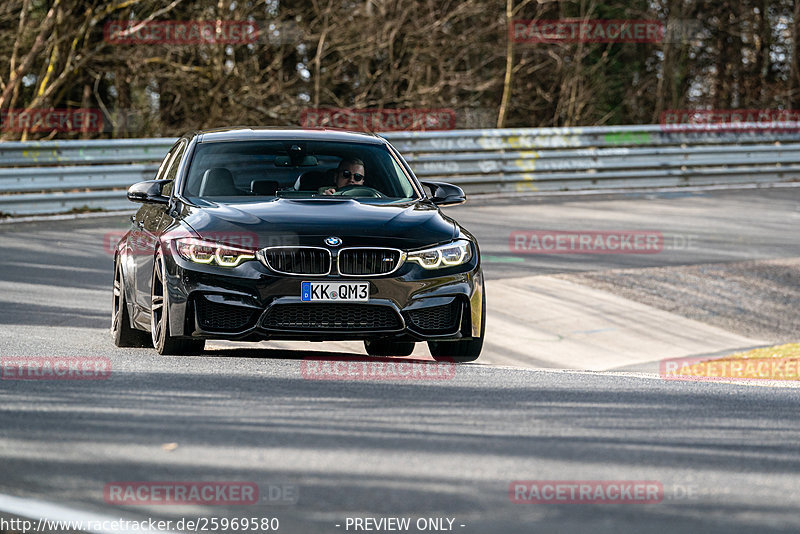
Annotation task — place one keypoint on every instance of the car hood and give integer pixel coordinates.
(310, 221)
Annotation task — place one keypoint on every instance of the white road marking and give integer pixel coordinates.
(37, 511)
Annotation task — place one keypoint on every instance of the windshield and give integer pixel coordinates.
(242, 171)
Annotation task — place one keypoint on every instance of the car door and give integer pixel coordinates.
(148, 224)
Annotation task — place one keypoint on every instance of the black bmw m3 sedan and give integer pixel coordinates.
(254, 234)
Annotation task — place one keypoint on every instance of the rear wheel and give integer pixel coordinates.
(462, 351)
(159, 318)
(382, 347)
(121, 330)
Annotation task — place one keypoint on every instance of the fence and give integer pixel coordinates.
(59, 176)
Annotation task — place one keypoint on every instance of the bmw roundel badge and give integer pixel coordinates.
(333, 241)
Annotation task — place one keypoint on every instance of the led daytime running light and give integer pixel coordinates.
(207, 252)
(455, 253)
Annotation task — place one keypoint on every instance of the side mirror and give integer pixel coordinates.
(148, 191)
(445, 194)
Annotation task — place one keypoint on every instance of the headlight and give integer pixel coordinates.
(448, 255)
(202, 251)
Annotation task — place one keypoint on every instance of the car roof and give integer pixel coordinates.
(242, 133)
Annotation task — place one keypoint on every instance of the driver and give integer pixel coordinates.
(349, 172)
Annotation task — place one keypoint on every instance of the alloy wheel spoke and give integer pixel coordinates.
(117, 310)
(157, 303)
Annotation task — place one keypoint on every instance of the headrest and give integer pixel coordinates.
(218, 182)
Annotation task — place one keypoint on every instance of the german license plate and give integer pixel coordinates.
(334, 291)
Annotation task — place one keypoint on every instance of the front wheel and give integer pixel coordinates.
(465, 350)
(159, 317)
(121, 330)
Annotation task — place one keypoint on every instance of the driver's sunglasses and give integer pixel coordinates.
(356, 176)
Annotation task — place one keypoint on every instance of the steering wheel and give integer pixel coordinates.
(359, 191)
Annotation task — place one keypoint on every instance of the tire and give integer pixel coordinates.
(122, 332)
(462, 351)
(382, 347)
(163, 342)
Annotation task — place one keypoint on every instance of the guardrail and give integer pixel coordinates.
(59, 176)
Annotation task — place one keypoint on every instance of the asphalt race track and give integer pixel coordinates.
(555, 396)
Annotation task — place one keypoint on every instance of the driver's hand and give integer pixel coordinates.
(329, 191)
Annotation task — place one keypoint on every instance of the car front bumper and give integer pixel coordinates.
(252, 303)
